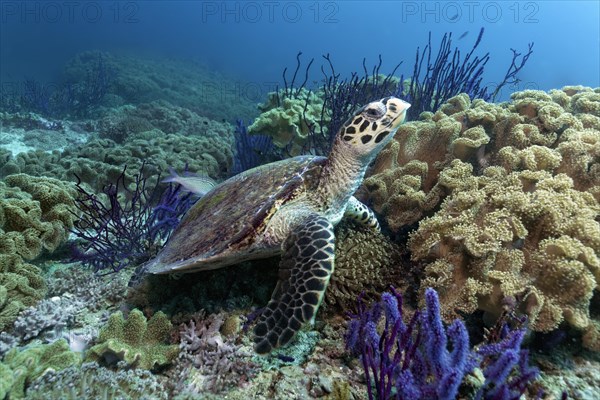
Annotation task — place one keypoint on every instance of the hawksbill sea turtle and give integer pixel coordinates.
(286, 208)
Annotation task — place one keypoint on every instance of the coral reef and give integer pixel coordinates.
(365, 262)
(101, 160)
(36, 214)
(210, 360)
(182, 83)
(26, 365)
(535, 131)
(510, 192)
(410, 357)
(506, 198)
(121, 123)
(21, 286)
(203, 145)
(95, 81)
(75, 99)
(525, 234)
(22, 132)
(289, 120)
(137, 341)
(91, 381)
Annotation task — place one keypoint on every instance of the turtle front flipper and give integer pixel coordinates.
(304, 272)
(361, 214)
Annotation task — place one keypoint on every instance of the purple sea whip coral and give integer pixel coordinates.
(434, 80)
(251, 150)
(131, 226)
(412, 359)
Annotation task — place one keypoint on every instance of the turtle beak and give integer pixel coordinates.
(396, 111)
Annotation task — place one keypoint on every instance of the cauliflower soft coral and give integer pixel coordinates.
(525, 233)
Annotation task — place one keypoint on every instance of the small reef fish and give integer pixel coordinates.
(197, 184)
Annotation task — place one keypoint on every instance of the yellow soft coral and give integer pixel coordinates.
(537, 131)
(289, 119)
(580, 152)
(534, 158)
(528, 234)
(36, 213)
(21, 286)
(567, 272)
(397, 194)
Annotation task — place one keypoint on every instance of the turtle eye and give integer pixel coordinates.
(374, 112)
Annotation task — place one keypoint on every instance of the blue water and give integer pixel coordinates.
(254, 41)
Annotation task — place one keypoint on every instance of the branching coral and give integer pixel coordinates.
(211, 361)
(137, 341)
(53, 315)
(95, 291)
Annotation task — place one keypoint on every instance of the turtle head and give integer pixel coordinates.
(373, 126)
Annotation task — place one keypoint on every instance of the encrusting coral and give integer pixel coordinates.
(137, 341)
(92, 381)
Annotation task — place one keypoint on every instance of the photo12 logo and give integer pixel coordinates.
(469, 11)
(254, 12)
(54, 12)
(235, 92)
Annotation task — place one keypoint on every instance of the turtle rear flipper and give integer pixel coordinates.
(304, 272)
